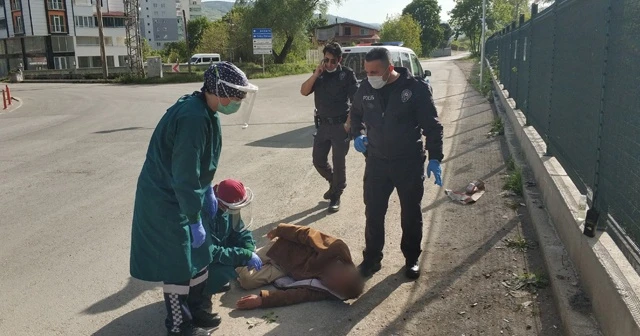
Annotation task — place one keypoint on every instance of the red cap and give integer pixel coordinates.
(230, 191)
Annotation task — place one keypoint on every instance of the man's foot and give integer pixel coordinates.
(367, 269)
(189, 330)
(334, 206)
(327, 195)
(204, 319)
(225, 288)
(412, 270)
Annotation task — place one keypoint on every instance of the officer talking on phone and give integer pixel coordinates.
(390, 113)
(334, 86)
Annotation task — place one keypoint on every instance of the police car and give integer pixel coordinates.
(353, 57)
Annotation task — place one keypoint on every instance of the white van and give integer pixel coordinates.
(205, 59)
(353, 57)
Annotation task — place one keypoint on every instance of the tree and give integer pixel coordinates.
(196, 29)
(286, 18)
(447, 32)
(466, 19)
(427, 14)
(173, 49)
(402, 28)
(215, 39)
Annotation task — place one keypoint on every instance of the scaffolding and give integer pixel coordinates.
(134, 45)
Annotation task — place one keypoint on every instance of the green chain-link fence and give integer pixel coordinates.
(574, 71)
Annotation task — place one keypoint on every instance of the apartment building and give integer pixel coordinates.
(159, 22)
(59, 34)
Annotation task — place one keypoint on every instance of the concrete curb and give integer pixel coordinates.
(606, 275)
(14, 106)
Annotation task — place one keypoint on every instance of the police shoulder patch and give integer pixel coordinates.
(405, 95)
(343, 75)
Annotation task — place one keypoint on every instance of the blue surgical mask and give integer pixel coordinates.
(231, 108)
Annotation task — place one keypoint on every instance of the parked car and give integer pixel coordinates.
(205, 59)
(353, 57)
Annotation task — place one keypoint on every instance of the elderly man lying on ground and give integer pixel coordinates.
(305, 265)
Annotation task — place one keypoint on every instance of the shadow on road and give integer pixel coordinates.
(145, 321)
(299, 138)
(132, 290)
(122, 130)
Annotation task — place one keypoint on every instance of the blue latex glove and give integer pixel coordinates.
(434, 167)
(198, 234)
(360, 143)
(210, 202)
(255, 262)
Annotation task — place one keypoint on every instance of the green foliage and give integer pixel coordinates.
(427, 14)
(196, 29)
(167, 79)
(215, 39)
(173, 49)
(147, 51)
(402, 28)
(514, 181)
(271, 13)
(447, 33)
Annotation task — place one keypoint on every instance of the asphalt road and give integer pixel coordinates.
(69, 160)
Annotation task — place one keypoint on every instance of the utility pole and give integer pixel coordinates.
(103, 57)
(186, 39)
(484, 19)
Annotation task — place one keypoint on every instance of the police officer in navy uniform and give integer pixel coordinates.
(334, 86)
(391, 111)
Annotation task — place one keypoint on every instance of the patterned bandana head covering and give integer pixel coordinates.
(227, 72)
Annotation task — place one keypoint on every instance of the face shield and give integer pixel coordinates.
(240, 213)
(248, 96)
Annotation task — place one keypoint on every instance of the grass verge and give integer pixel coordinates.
(485, 87)
(514, 179)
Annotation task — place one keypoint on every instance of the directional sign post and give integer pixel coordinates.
(262, 43)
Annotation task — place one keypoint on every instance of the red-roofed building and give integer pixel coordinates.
(347, 33)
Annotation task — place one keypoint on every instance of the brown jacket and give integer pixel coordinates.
(303, 253)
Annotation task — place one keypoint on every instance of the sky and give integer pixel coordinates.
(376, 11)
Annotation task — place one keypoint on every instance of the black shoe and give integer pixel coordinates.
(328, 194)
(367, 269)
(204, 319)
(412, 270)
(334, 206)
(189, 330)
(225, 288)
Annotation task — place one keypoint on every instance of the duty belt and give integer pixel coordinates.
(331, 120)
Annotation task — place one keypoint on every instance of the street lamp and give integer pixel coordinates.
(484, 20)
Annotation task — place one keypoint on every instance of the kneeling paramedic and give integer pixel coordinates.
(333, 86)
(390, 113)
(169, 243)
(233, 244)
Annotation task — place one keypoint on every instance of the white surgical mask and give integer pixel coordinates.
(330, 71)
(377, 82)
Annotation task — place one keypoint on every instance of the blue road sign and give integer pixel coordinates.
(262, 36)
(262, 33)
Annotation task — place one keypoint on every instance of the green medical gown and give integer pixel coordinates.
(180, 164)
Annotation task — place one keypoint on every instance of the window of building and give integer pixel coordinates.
(347, 31)
(57, 24)
(85, 21)
(37, 63)
(87, 40)
(123, 60)
(162, 5)
(155, 5)
(3, 50)
(84, 62)
(112, 22)
(55, 4)
(62, 43)
(158, 44)
(18, 25)
(3, 23)
(110, 61)
(364, 32)
(61, 62)
(35, 44)
(16, 5)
